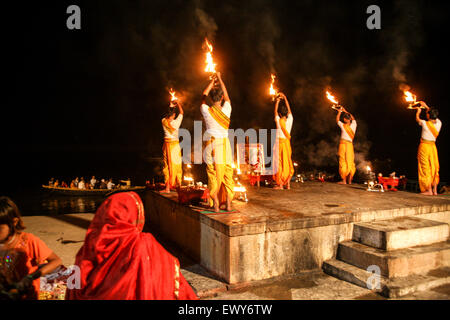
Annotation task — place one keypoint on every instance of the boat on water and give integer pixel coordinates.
(89, 192)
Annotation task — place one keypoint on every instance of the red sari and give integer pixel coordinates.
(119, 262)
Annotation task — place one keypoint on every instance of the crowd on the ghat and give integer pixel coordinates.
(81, 183)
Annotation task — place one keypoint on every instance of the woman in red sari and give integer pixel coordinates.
(120, 262)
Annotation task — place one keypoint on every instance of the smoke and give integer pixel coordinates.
(309, 50)
(404, 37)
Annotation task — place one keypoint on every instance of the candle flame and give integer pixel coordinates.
(332, 98)
(210, 65)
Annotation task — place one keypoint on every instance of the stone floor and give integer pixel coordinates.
(65, 235)
(313, 204)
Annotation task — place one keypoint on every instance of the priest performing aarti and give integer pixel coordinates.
(283, 166)
(346, 152)
(427, 155)
(218, 155)
(171, 123)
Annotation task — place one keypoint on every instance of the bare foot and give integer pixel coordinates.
(342, 182)
(229, 206)
(427, 193)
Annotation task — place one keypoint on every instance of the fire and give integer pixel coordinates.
(368, 168)
(332, 98)
(272, 91)
(210, 65)
(409, 97)
(172, 93)
(188, 178)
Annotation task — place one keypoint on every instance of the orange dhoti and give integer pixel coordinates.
(346, 159)
(172, 163)
(219, 169)
(283, 166)
(428, 160)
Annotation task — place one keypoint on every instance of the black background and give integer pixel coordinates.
(89, 102)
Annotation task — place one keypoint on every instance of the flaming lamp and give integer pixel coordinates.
(372, 183)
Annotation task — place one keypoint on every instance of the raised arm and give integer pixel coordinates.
(180, 107)
(224, 89)
(338, 116)
(206, 91)
(275, 112)
(287, 102)
(418, 115)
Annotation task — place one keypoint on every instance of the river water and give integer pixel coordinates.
(40, 203)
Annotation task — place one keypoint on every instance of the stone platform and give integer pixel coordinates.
(281, 232)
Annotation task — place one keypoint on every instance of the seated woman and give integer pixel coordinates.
(119, 262)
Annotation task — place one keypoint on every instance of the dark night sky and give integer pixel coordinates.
(89, 101)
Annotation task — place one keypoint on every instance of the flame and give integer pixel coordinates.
(295, 164)
(332, 98)
(409, 97)
(368, 168)
(188, 178)
(210, 65)
(172, 93)
(272, 91)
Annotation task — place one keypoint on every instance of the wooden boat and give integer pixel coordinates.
(89, 192)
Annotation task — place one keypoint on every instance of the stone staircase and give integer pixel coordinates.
(410, 254)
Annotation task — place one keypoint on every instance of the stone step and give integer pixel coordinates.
(400, 233)
(390, 288)
(397, 263)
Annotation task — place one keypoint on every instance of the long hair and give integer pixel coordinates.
(9, 211)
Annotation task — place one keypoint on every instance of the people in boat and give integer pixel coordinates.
(346, 153)
(218, 153)
(283, 166)
(93, 182)
(110, 185)
(51, 182)
(81, 184)
(103, 184)
(56, 184)
(72, 184)
(64, 184)
(427, 155)
(126, 182)
(76, 182)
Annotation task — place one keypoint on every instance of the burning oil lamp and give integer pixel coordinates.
(412, 100)
(335, 105)
(210, 65)
(372, 183)
(272, 91)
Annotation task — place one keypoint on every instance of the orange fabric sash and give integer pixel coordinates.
(432, 128)
(168, 126)
(283, 128)
(349, 131)
(220, 117)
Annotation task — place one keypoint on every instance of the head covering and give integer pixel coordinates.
(120, 262)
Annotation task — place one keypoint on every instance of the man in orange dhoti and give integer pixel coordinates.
(282, 163)
(346, 153)
(171, 149)
(427, 156)
(218, 155)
